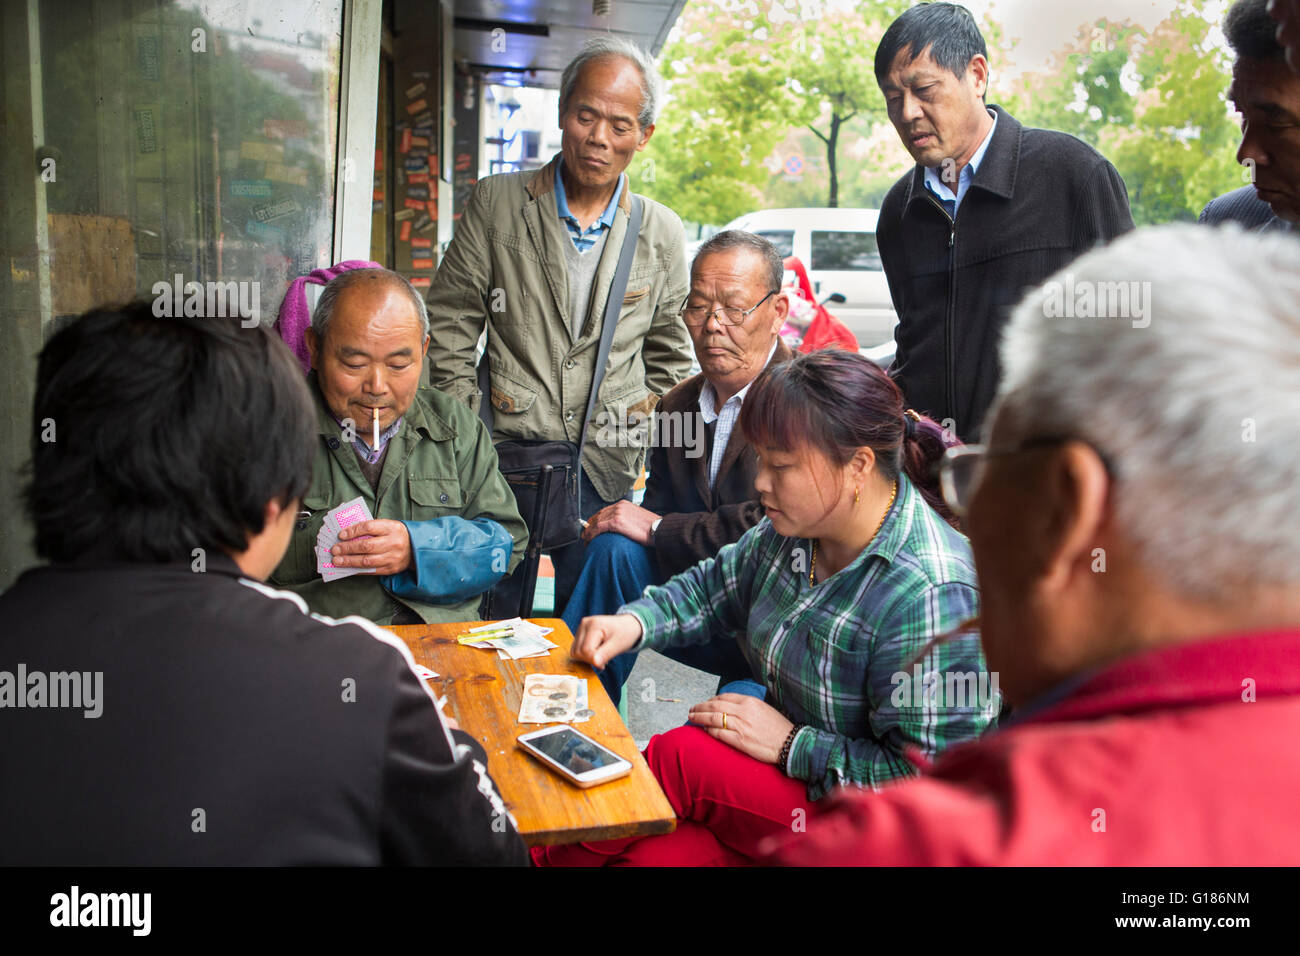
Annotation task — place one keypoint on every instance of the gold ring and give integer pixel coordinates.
(724, 721)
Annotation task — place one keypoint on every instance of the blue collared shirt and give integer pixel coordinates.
(936, 185)
(584, 239)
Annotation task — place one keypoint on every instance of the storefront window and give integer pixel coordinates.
(153, 143)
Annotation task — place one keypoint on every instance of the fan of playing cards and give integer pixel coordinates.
(344, 516)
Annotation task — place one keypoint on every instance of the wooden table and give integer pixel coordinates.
(483, 694)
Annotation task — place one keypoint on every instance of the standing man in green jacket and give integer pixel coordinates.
(532, 262)
(445, 525)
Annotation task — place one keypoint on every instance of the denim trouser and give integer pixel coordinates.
(616, 572)
(567, 561)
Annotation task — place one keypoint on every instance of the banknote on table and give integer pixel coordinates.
(521, 639)
(554, 698)
(530, 633)
(518, 647)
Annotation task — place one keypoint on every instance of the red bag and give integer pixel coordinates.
(825, 331)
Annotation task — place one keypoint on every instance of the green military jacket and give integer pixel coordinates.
(505, 270)
(440, 462)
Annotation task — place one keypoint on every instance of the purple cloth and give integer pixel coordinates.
(295, 318)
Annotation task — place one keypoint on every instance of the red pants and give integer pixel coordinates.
(726, 802)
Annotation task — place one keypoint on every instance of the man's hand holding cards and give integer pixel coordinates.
(352, 541)
(376, 546)
(354, 512)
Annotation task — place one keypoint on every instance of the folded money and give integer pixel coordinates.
(554, 698)
(513, 639)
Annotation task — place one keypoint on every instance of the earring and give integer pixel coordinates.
(857, 493)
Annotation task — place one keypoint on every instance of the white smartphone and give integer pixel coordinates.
(574, 756)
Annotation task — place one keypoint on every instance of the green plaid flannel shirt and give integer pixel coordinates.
(836, 657)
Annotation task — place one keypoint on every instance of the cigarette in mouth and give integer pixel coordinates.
(375, 446)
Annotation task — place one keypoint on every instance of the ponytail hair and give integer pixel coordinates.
(837, 402)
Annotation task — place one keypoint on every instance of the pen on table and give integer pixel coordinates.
(476, 636)
(376, 444)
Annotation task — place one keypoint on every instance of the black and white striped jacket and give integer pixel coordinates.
(233, 729)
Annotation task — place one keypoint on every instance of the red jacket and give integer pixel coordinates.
(1157, 760)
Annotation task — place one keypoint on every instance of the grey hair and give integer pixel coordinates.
(320, 318)
(1195, 397)
(604, 47)
(730, 239)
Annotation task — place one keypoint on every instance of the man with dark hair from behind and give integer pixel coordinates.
(158, 704)
(990, 209)
(1267, 95)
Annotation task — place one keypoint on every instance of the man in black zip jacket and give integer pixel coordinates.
(991, 210)
(159, 705)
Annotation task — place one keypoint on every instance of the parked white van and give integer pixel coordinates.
(839, 248)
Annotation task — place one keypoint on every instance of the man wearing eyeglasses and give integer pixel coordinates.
(1137, 543)
(700, 490)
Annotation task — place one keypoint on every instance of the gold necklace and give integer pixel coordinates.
(893, 492)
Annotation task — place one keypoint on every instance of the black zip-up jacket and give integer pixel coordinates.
(1039, 200)
(232, 729)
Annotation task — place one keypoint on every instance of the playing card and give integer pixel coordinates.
(349, 513)
(345, 515)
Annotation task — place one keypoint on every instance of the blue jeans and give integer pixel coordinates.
(750, 688)
(617, 570)
(567, 561)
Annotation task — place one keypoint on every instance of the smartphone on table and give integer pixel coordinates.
(574, 756)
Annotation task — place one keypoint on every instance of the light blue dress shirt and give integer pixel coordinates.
(936, 185)
(584, 239)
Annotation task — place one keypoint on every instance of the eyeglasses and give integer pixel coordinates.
(700, 314)
(962, 468)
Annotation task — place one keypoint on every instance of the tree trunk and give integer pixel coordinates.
(833, 200)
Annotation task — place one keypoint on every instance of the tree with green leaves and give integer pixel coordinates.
(740, 77)
(719, 121)
(1181, 150)
(1153, 103)
(828, 64)
(797, 75)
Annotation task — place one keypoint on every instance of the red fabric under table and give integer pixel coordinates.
(726, 802)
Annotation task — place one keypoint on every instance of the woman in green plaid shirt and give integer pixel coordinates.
(836, 598)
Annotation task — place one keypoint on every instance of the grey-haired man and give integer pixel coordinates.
(532, 262)
(445, 526)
